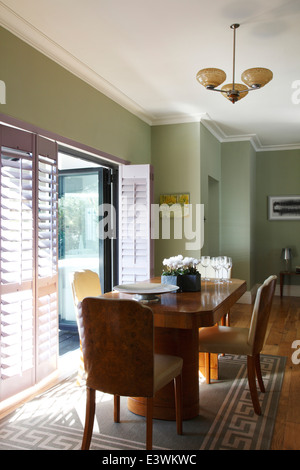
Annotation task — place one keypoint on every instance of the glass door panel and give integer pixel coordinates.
(83, 187)
(78, 233)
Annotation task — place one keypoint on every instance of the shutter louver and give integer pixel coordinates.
(16, 264)
(47, 277)
(28, 261)
(135, 244)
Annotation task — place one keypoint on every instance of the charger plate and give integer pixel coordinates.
(146, 291)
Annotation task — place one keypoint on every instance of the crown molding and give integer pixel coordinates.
(39, 41)
(252, 138)
(217, 132)
(177, 119)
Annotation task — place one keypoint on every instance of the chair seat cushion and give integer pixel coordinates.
(166, 368)
(224, 339)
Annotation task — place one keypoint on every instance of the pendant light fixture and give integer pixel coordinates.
(254, 78)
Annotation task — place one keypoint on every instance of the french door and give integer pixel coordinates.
(82, 193)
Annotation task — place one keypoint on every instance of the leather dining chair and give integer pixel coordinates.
(85, 283)
(244, 341)
(118, 349)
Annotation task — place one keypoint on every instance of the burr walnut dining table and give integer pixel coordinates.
(177, 319)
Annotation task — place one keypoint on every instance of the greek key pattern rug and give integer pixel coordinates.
(55, 419)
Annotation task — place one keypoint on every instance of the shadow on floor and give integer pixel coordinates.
(68, 341)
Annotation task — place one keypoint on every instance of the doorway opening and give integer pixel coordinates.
(213, 226)
(84, 184)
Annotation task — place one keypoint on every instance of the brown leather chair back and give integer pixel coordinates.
(261, 313)
(117, 344)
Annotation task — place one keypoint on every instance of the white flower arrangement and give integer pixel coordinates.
(178, 265)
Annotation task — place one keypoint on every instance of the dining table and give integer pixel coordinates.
(177, 319)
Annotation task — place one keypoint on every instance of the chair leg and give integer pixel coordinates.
(258, 373)
(149, 418)
(116, 408)
(252, 384)
(207, 367)
(178, 402)
(89, 418)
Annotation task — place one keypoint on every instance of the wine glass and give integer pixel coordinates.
(219, 267)
(205, 262)
(228, 266)
(215, 265)
(222, 261)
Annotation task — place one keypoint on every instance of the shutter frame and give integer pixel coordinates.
(135, 242)
(17, 290)
(46, 257)
(22, 363)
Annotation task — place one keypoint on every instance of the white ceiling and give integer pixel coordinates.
(145, 55)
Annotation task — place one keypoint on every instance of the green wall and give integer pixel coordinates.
(176, 162)
(42, 93)
(277, 174)
(238, 208)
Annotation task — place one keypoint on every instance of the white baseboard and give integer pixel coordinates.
(246, 298)
(249, 296)
(289, 290)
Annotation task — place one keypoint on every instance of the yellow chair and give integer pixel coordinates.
(118, 348)
(84, 283)
(244, 341)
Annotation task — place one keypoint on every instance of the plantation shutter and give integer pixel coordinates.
(135, 244)
(28, 260)
(46, 257)
(17, 359)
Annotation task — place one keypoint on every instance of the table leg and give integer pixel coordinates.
(183, 343)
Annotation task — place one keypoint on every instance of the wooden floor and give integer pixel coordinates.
(283, 329)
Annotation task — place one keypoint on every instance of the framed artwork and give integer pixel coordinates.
(174, 205)
(284, 207)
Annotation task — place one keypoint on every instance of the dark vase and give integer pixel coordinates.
(191, 282)
(185, 282)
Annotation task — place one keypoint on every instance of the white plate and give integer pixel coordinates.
(145, 288)
(145, 291)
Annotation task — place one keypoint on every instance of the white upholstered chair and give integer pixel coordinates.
(244, 341)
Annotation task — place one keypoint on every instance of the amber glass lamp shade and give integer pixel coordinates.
(211, 78)
(234, 94)
(257, 77)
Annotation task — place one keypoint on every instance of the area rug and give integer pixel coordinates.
(54, 420)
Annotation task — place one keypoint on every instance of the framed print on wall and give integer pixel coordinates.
(284, 207)
(177, 202)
